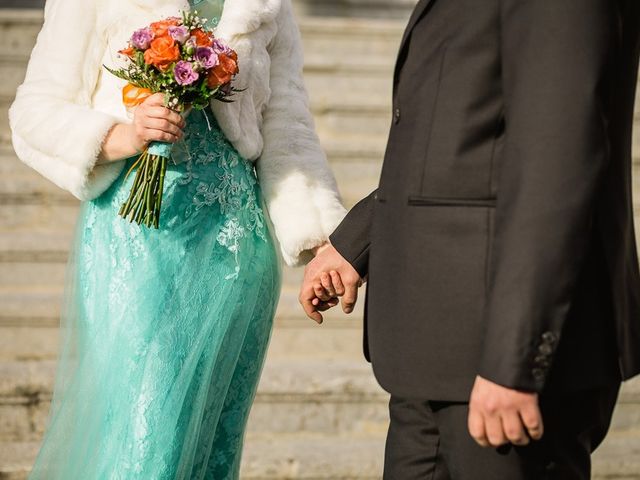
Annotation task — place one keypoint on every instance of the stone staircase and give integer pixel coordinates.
(319, 413)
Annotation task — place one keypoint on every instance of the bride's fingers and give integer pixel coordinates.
(325, 280)
(324, 306)
(337, 283)
(157, 99)
(320, 292)
(332, 301)
(164, 113)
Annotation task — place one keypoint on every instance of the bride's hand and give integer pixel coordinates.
(152, 121)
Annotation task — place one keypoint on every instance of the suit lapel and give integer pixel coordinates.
(420, 11)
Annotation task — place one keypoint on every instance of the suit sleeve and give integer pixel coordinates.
(54, 130)
(352, 238)
(554, 61)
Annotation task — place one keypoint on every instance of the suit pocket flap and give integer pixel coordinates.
(418, 200)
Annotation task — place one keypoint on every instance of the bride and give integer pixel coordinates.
(164, 331)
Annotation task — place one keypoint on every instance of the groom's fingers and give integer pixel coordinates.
(306, 300)
(532, 419)
(350, 297)
(476, 428)
(513, 428)
(495, 431)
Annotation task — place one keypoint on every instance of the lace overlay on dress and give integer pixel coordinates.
(233, 194)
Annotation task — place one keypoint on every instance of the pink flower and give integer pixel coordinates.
(179, 33)
(184, 73)
(220, 48)
(206, 57)
(141, 39)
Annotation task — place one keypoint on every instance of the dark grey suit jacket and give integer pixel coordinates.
(500, 241)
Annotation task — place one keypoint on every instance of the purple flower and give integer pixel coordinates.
(141, 39)
(179, 33)
(207, 57)
(220, 48)
(184, 73)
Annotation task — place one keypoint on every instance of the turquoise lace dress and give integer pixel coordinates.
(164, 331)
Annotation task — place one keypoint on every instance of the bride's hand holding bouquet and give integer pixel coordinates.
(152, 122)
(175, 64)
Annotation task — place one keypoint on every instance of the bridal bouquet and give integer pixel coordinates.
(182, 59)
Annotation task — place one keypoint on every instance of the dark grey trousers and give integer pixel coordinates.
(429, 441)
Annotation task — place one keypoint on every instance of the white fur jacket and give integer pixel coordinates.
(68, 103)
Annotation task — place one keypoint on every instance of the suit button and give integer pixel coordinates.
(545, 349)
(396, 116)
(538, 374)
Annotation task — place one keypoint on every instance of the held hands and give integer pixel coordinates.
(326, 278)
(500, 415)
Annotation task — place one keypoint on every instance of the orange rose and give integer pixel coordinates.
(202, 39)
(161, 28)
(162, 52)
(129, 51)
(133, 96)
(223, 73)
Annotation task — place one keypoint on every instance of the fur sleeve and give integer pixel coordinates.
(299, 188)
(54, 130)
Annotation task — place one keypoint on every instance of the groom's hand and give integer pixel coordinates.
(327, 277)
(500, 415)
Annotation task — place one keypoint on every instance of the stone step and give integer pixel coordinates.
(18, 31)
(43, 227)
(295, 395)
(313, 457)
(366, 124)
(16, 459)
(13, 70)
(5, 133)
(618, 458)
(300, 457)
(343, 457)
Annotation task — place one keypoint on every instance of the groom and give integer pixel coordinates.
(503, 287)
